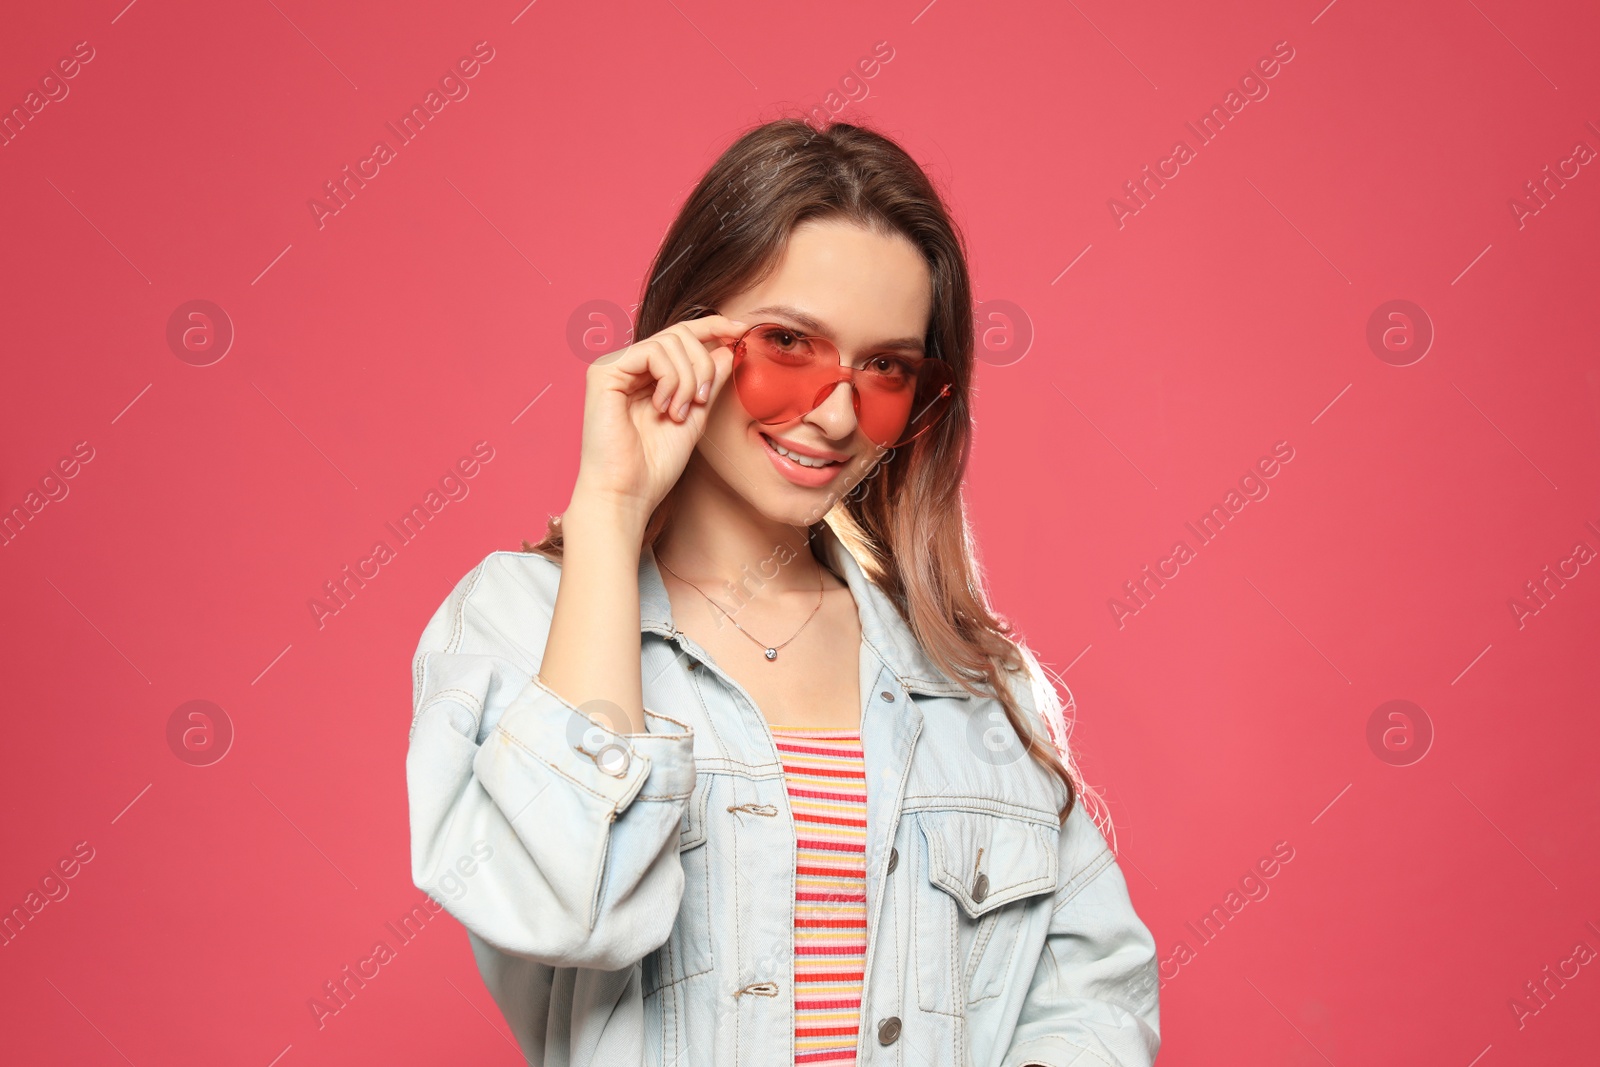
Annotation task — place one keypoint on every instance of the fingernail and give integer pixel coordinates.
(704, 391)
(683, 409)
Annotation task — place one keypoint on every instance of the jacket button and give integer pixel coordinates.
(889, 1030)
(613, 760)
(980, 888)
(894, 860)
(887, 696)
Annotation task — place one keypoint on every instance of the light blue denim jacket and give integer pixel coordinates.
(628, 897)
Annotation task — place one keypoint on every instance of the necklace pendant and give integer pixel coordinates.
(772, 653)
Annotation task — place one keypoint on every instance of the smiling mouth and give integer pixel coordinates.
(797, 458)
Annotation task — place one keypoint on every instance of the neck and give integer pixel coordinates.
(715, 537)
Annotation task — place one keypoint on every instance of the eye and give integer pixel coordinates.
(891, 368)
(781, 337)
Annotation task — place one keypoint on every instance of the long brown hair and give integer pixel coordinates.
(906, 524)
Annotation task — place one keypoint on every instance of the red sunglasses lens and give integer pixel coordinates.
(781, 375)
(778, 373)
(916, 406)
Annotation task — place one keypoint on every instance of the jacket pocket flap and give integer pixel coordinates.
(985, 861)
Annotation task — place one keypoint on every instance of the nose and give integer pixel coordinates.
(835, 416)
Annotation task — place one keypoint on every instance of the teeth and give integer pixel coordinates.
(804, 461)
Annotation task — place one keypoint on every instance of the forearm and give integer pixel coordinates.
(593, 648)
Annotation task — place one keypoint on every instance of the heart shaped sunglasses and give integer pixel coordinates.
(781, 374)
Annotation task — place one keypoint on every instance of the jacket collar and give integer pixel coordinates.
(883, 629)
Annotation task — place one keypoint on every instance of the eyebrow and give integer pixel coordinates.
(813, 325)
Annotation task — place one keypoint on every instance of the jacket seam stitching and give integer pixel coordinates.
(898, 819)
(989, 921)
(687, 732)
(500, 728)
(419, 667)
(936, 855)
(699, 695)
(471, 703)
(458, 623)
(602, 865)
(758, 772)
(658, 715)
(913, 683)
(738, 934)
(1078, 882)
(982, 805)
(679, 980)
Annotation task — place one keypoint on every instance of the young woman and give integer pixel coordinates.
(812, 810)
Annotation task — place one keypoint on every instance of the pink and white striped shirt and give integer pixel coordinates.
(827, 785)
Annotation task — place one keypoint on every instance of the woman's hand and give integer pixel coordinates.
(645, 407)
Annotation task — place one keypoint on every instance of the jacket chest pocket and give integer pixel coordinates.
(988, 878)
(687, 951)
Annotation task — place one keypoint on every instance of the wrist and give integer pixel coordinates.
(591, 511)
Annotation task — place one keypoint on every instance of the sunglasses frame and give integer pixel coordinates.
(846, 373)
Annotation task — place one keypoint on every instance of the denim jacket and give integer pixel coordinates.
(628, 897)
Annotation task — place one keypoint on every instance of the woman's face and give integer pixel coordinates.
(867, 293)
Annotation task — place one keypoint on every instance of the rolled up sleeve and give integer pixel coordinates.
(547, 834)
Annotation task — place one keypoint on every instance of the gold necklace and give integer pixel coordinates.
(770, 651)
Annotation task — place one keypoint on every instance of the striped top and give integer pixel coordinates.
(827, 783)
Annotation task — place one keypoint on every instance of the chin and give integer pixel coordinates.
(796, 506)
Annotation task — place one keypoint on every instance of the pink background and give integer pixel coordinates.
(1135, 373)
